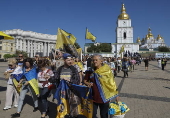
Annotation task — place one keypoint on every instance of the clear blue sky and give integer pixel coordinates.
(99, 16)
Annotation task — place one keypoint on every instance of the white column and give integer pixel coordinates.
(16, 43)
(48, 48)
(28, 47)
(38, 47)
(35, 48)
(45, 49)
(31, 49)
(21, 47)
(24, 45)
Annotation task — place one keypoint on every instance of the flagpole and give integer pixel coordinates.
(85, 41)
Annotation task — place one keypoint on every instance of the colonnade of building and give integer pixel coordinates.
(33, 43)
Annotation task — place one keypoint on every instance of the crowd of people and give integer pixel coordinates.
(48, 74)
(41, 77)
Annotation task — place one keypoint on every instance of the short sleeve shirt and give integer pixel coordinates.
(65, 73)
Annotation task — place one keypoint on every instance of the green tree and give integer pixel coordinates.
(163, 49)
(105, 47)
(6, 56)
(14, 55)
(25, 54)
(89, 49)
(93, 48)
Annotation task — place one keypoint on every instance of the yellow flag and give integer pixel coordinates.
(15, 85)
(5, 36)
(70, 36)
(59, 42)
(90, 36)
(63, 38)
(122, 49)
(64, 43)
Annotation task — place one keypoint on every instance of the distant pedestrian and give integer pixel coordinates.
(163, 63)
(159, 63)
(146, 61)
(133, 62)
(125, 65)
(119, 64)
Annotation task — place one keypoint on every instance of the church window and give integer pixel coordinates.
(124, 35)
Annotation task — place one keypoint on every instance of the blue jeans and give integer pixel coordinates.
(44, 93)
(23, 92)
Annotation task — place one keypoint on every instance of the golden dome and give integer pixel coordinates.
(159, 37)
(123, 14)
(138, 40)
(149, 35)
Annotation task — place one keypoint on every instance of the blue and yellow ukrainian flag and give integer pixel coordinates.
(31, 77)
(62, 102)
(63, 105)
(87, 100)
(105, 82)
(15, 79)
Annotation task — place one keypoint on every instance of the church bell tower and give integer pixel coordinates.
(124, 30)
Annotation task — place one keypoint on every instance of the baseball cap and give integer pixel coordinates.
(66, 56)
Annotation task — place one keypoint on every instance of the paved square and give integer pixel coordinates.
(147, 94)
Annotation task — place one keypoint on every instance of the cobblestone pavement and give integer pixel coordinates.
(147, 94)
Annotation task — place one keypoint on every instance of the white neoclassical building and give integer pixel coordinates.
(32, 42)
(124, 34)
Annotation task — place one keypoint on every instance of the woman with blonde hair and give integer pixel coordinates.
(10, 87)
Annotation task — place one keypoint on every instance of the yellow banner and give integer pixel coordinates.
(64, 38)
(90, 36)
(107, 83)
(88, 108)
(63, 109)
(70, 36)
(15, 84)
(5, 36)
(34, 84)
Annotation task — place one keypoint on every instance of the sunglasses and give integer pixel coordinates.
(20, 56)
(9, 65)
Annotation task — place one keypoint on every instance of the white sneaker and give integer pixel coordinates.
(15, 106)
(7, 107)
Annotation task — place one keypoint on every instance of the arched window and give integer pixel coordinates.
(124, 35)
